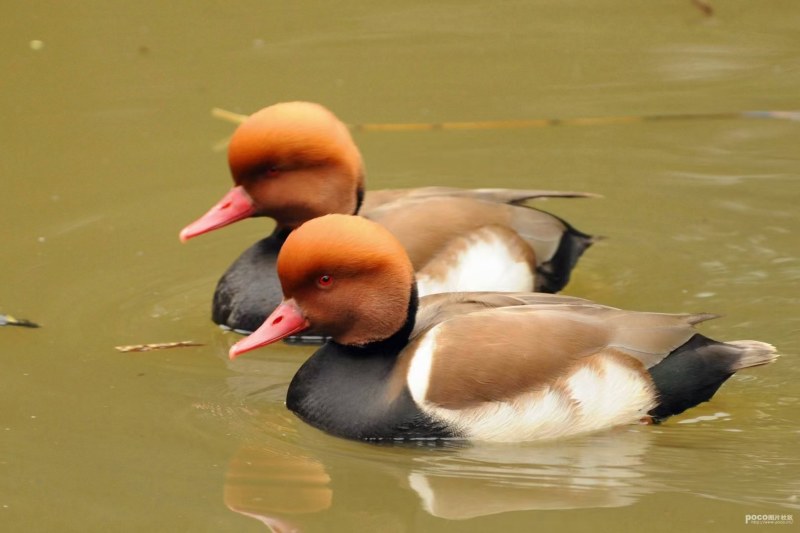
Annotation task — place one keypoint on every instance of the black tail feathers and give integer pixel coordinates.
(692, 373)
(554, 274)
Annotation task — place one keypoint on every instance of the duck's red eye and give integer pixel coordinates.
(273, 171)
(325, 281)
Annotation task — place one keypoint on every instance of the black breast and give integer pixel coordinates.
(345, 391)
(249, 290)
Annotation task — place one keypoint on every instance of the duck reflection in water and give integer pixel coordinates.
(286, 487)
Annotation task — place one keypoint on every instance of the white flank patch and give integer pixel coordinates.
(488, 263)
(419, 371)
(617, 396)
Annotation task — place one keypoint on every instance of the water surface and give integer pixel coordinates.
(109, 149)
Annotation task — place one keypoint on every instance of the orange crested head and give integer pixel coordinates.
(291, 134)
(297, 161)
(350, 276)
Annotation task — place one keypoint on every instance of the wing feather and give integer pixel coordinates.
(494, 346)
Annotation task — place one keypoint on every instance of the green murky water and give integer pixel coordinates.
(108, 150)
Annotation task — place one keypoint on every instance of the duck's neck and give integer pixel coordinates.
(359, 199)
(391, 346)
(280, 233)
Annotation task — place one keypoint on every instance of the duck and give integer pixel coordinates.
(479, 366)
(294, 161)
